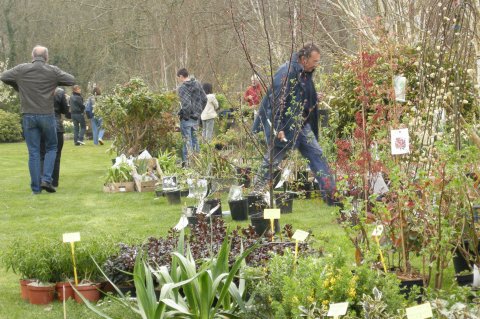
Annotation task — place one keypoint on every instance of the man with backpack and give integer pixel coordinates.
(192, 100)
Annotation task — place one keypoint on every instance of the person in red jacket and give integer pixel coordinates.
(253, 94)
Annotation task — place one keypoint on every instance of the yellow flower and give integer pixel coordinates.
(310, 299)
(352, 293)
(295, 299)
(325, 302)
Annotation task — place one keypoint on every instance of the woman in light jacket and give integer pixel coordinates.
(209, 113)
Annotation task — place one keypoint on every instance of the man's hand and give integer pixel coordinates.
(281, 136)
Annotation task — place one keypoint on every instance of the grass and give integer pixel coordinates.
(81, 206)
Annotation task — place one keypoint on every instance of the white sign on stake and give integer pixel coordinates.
(271, 213)
(182, 223)
(377, 232)
(71, 237)
(300, 235)
(423, 311)
(400, 141)
(337, 309)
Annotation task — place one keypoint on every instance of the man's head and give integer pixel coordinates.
(309, 57)
(40, 52)
(96, 91)
(182, 75)
(77, 89)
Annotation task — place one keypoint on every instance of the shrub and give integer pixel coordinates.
(138, 119)
(10, 128)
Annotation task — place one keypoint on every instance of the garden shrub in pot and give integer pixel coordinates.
(136, 117)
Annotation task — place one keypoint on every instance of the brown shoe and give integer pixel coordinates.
(100, 141)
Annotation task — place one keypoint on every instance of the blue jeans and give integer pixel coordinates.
(189, 134)
(36, 126)
(97, 130)
(79, 127)
(308, 146)
(207, 132)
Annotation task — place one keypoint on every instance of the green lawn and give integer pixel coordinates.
(80, 205)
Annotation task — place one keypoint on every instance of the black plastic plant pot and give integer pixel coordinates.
(256, 204)
(239, 209)
(173, 197)
(184, 193)
(212, 203)
(284, 201)
(464, 280)
(459, 263)
(262, 225)
(406, 287)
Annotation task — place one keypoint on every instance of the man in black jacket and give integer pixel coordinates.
(77, 108)
(192, 100)
(36, 83)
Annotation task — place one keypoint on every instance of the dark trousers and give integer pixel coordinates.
(56, 167)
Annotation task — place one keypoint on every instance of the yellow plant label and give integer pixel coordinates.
(420, 312)
(71, 237)
(300, 235)
(377, 232)
(271, 213)
(337, 309)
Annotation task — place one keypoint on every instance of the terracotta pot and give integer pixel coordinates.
(40, 295)
(24, 288)
(90, 292)
(60, 291)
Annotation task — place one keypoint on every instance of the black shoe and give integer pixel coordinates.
(48, 187)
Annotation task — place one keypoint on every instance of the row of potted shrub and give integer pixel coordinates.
(46, 263)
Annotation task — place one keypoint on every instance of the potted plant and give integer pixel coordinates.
(16, 257)
(135, 117)
(119, 179)
(88, 253)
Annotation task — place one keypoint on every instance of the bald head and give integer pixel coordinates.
(40, 51)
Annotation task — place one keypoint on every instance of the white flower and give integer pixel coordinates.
(464, 101)
(439, 4)
(443, 80)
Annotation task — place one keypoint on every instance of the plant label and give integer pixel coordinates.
(71, 237)
(400, 86)
(169, 182)
(271, 213)
(400, 141)
(377, 232)
(476, 277)
(420, 312)
(337, 309)
(300, 235)
(182, 223)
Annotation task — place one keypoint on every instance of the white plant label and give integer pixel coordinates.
(337, 309)
(400, 141)
(71, 237)
(400, 87)
(476, 277)
(378, 231)
(271, 213)
(423, 311)
(300, 235)
(182, 223)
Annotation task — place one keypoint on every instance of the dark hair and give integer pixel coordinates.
(207, 88)
(182, 72)
(96, 91)
(307, 50)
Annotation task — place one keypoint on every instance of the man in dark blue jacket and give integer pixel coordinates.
(293, 101)
(192, 101)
